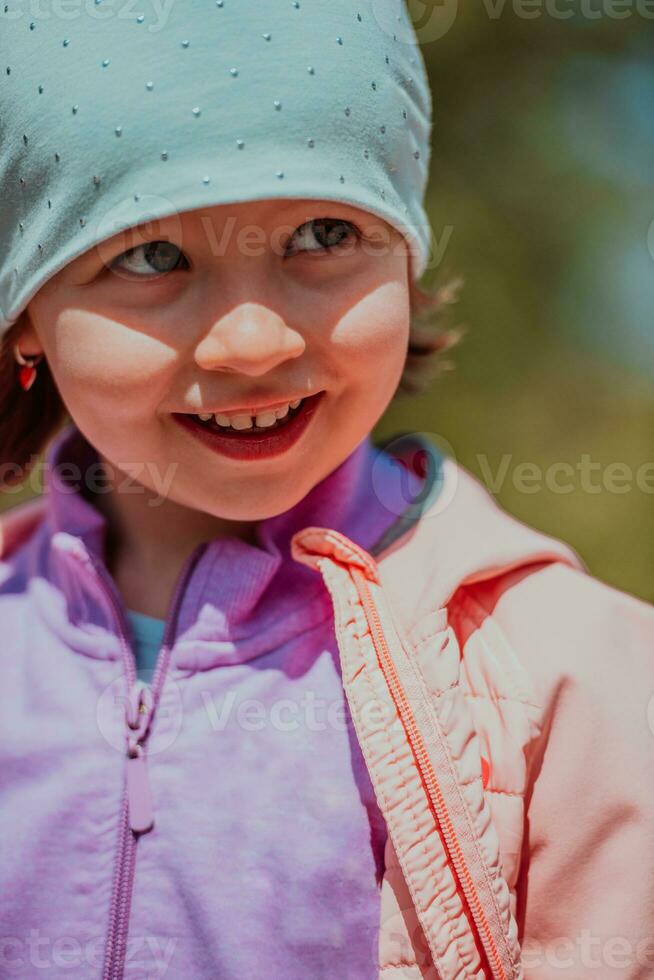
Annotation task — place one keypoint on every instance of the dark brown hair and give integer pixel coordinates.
(28, 421)
(429, 338)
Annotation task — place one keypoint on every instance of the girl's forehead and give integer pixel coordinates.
(268, 214)
(268, 210)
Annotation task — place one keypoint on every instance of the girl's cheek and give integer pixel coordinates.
(99, 364)
(376, 331)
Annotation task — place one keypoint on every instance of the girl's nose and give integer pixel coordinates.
(251, 340)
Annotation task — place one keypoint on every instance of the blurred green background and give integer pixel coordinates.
(542, 175)
(541, 186)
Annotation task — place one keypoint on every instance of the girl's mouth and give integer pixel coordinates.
(257, 442)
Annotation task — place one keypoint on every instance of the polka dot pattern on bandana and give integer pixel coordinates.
(110, 121)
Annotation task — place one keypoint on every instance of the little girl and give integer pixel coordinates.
(276, 701)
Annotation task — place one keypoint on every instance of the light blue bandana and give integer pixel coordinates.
(113, 115)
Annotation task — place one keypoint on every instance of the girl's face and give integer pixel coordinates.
(243, 304)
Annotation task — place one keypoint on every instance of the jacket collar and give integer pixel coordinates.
(241, 600)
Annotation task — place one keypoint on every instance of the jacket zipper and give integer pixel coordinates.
(429, 776)
(136, 809)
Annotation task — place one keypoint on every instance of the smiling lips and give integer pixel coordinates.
(253, 441)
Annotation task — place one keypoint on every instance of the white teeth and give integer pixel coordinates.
(262, 420)
(241, 422)
(266, 419)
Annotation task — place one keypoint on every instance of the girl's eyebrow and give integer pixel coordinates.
(325, 206)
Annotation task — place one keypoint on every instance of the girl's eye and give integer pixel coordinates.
(329, 233)
(162, 257)
(157, 258)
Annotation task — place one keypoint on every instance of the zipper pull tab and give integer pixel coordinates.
(139, 796)
(138, 712)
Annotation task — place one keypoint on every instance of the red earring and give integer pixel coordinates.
(27, 373)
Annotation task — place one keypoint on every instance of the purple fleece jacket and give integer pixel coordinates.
(266, 855)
